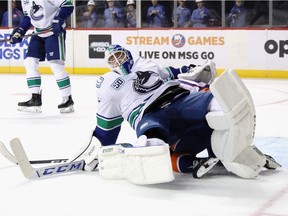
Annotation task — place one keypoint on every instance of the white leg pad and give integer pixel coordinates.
(142, 165)
(248, 164)
(234, 127)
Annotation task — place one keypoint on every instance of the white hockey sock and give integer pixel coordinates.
(62, 77)
(33, 76)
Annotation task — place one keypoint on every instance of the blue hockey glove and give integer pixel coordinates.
(58, 25)
(17, 35)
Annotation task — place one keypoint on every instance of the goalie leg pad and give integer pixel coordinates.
(248, 164)
(142, 165)
(234, 127)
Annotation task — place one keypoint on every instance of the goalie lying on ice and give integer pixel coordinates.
(174, 113)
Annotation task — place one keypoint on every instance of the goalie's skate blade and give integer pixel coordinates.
(4, 151)
(69, 109)
(34, 109)
(205, 167)
(22, 159)
(271, 163)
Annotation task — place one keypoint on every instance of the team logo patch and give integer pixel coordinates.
(36, 12)
(146, 81)
(118, 83)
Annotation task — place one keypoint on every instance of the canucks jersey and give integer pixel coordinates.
(126, 96)
(42, 12)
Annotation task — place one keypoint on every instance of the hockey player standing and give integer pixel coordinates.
(45, 15)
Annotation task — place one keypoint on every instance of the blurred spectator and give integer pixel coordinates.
(156, 15)
(183, 14)
(113, 16)
(280, 15)
(200, 16)
(131, 14)
(237, 15)
(261, 13)
(16, 15)
(89, 17)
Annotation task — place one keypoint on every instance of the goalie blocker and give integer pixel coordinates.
(147, 161)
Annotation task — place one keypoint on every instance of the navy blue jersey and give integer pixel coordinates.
(182, 123)
(51, 47)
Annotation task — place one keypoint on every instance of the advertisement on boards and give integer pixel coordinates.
(245, 50)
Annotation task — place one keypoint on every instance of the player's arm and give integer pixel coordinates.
(58, 23)
(107, 129)
(66, 9)
(109, 116)
(175, 71)
(19, 32)
(109, 120)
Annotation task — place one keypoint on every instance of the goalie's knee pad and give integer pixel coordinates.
(233, 126)
(141, 165)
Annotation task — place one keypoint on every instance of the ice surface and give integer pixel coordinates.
(53, 135)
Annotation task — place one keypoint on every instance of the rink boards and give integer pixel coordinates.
(251, 52)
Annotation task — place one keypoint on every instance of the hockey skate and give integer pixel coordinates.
(33, 105)
(271, 163)
(67, 105)
(202, 165)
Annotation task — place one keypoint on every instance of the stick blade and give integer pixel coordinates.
(4, 151)
(22, 159)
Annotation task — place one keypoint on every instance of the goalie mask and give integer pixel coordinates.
(119, 59)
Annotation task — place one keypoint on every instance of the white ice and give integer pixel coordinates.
(53, 135)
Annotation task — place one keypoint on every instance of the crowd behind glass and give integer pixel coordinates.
(164, 14)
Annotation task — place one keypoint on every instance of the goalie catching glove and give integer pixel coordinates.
(205, 73)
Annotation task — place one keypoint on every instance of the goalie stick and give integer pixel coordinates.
(35, 173)
(5, 152)
(25, 36)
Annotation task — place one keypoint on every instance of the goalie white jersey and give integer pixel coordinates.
(42, 12)
(114, 103)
